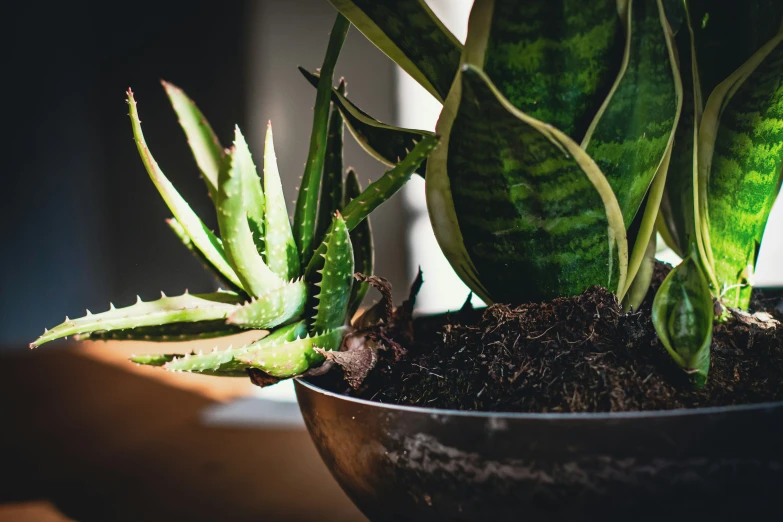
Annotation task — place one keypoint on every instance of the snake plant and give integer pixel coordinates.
(571, 131)
(294, 280)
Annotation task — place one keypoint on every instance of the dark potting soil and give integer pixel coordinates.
(579, 354)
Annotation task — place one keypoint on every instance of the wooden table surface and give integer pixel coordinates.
(99, 442)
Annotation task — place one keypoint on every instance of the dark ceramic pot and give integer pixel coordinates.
(403, 463)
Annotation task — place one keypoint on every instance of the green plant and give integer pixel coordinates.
(294, 280)
(571, 130)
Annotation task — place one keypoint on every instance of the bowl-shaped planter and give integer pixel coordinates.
(408, 463)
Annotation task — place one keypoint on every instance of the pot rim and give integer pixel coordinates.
(600, 416)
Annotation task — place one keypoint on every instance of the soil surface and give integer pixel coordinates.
(580, 354)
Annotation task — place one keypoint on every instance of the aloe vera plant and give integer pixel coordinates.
(293, 279)
(571, 131)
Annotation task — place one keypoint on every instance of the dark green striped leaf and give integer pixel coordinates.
(535, 216)
(409, 33)
(331, 198)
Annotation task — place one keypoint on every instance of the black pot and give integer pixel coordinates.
(405, 463)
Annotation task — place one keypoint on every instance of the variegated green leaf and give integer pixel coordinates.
(682, 314)
(165, 333)
(741, 165)
(307, 201)
(519, 209)
(331, 197)
(385, 143)
(203, 141)
(555, 61)
(361, 240)
(281, 254)
(226, 362)
(288, 358)
(379, 191)
(634, 128)
(409, 33)
(640, 285)
(336, 279)
(187, 308)
(203, 238)
(277, 306)
(241, 250)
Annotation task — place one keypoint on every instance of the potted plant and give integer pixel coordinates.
(571, 132)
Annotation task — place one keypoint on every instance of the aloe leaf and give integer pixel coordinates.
(555, 61)
(199, 234)
(634, 128)
(187, 308)
(174, 332)
(361, 240)
(741, 166)
(331, 197)
(281, 254)
(379, 191)
(286, 358)
(521, 211)
(180, 232)
(235, 229)
(385, 143)
(203, 141)
(277, 306)
(306, 209)
(336, 278)
(409, 33)
(226, 362)
(682, 314)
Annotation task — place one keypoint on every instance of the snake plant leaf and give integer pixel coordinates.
(286, 358)
(682, 314)
(555, 61)
(331, 199)
(277, 306)
(238, 238)
(174, 332)
(640, 285)
(518, 205)
(741, 165)
(202, 237)
(379, 191)
(409, 33)
(635, 126)
(336, 278)
(203, 141)
(361, 240)
(186, 308)
(225, 362)
(282, 258)
(306, 210)
(383, 142)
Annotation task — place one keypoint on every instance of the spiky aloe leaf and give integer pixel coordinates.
(307, 201)
(281, 255)
(174, 332)
(223, 362)
(635, 126)
(288, 358)
(519, 209)
(336, 278)
(379, 191)
(555, 61)
(682, 314)
(277, 306)
(386, 143)
(361, 240)
(187, 308)
(235, 229)
(409, 33)
(203, 141)
(180, 232)
(331, 199)
(202, 237)
(741, 166)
